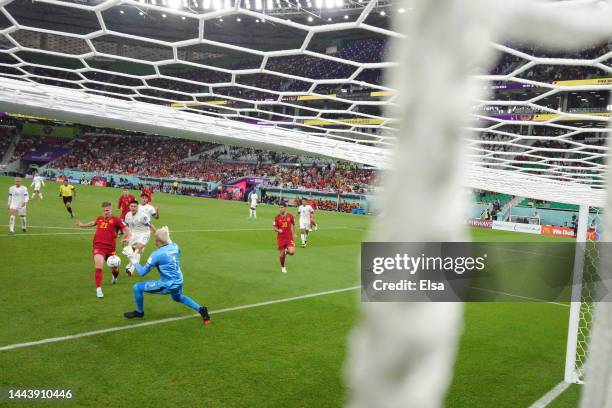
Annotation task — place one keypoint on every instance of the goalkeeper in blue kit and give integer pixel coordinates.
(166, 258)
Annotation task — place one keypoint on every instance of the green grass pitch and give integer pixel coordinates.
(286, 354)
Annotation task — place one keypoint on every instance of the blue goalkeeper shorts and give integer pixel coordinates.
(163, 288)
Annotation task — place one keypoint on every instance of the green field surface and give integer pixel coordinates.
(280, 354)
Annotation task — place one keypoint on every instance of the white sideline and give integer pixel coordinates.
(170, 319)
(550, 395)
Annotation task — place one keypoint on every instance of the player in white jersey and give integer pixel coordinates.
(253, 201)
(37, 182)
(17, 201)
(140, 225)
(152, 212)
(305, 211)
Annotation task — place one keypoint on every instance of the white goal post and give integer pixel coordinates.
(573, 367)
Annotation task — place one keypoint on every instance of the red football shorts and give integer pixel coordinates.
(104, 250)
(284, 243)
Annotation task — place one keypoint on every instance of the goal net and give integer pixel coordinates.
(315, 77)
(587, 264)
(539, 99)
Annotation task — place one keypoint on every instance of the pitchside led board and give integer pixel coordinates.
(474, 272)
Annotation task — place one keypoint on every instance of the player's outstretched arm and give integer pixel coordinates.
(143, 270)
(152, 228)
(86, 224)
(127, 234)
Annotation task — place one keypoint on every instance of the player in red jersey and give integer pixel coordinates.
(284, 225)
(147, 192)
(107, 228)
(313, 224)
(124, 202)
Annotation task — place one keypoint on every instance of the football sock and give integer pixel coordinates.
(23, 222)
(134, 258)
(303, 238)
(69, 210)
(139, 296)
(282, 260)
(12, 223)
(115, 272)
(98, 277)
(187, 301)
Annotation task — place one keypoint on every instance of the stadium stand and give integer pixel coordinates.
(143, 155)
(104, 151)
(6, 137)
(29, 143)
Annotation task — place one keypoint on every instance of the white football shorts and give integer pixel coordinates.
(139, 239)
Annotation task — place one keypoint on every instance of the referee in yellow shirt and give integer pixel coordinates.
(67, 192)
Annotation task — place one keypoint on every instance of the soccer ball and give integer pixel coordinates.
(113, 261)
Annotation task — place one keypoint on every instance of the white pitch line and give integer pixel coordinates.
(170, 319)
(90, 231)
(519, 296)
(550, 395)
(38, 234)
(46, 227)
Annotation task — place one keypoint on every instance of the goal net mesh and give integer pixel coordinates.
(590, 275)
(299, 77)
(537, 128)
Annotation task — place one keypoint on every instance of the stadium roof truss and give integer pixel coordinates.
(174, 72)
(211, 110)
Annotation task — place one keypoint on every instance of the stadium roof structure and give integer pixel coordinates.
(272, 74)
(224, 72)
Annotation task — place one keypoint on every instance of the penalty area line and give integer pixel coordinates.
(170, 319)
(551, 395)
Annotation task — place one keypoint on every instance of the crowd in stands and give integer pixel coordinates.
(154, 156)
(30, 143)
(508, 63)
(342, 205)
(554, 143)
(7, 133)
(326, 205)
(105, 151)
(327, 178)
(259, 156)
